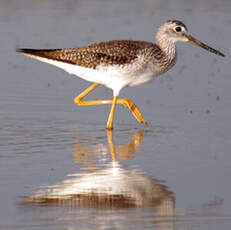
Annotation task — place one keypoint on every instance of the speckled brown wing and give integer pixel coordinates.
(111, 53)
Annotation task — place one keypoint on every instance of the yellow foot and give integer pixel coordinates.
(133, 109)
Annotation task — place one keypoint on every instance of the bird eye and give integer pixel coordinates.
(178, 29)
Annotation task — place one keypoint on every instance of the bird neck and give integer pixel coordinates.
(167, 46)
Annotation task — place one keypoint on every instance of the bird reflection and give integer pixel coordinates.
(89, 153)
(112, 187)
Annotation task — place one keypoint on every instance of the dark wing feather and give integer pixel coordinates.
(111, 52)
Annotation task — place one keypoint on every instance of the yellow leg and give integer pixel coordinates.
(125, 102)
(111, 114)
(78, 99)
(133, 109)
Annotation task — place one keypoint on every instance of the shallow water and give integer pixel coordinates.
(60, 169)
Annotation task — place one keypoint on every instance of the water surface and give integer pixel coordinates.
(60, 169)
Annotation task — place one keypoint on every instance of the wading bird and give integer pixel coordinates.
(120, 63)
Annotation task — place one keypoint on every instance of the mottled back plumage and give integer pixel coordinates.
(118, 52)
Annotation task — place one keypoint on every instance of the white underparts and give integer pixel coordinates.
(114, 77)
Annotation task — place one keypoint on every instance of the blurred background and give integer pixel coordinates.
(172, 174)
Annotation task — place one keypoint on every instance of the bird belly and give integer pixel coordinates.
(110, 76)
(141, 79)
(142, 75)
(114, 77)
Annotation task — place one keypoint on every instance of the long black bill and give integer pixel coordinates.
(204, 46)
